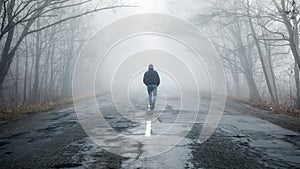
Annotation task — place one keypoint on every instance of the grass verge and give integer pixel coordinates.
(9, 113)
(281, 108)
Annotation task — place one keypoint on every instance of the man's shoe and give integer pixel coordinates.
(152, 106)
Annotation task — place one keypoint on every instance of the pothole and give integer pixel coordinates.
(68, 165)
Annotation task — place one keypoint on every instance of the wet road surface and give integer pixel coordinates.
(55, 139)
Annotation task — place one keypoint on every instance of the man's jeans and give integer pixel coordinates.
(152, 93)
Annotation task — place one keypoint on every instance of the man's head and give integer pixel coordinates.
(151, 66)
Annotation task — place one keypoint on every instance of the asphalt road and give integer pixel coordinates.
(55, 139)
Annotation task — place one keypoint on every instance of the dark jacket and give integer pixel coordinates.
(151, 77)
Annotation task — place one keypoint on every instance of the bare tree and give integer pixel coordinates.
(270, 32)
(21, 15)
(289, 12)
(265, 62)
(241, 46)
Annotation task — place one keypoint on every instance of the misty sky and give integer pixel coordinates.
(124, 65)
(182, 9)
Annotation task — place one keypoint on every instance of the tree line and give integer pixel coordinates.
(39, 42)
(258, 41)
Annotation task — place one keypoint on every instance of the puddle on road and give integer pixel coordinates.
(243, 149)
(3, 143)
(218, 151)
(68, 165)
(93, 156)
(16, 135)
(121, 124)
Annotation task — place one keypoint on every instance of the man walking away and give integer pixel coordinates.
(152, 81)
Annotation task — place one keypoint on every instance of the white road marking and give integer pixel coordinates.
(148, 129)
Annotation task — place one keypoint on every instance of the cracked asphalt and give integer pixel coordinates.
(243, 139)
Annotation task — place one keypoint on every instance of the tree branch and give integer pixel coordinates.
(77, 16)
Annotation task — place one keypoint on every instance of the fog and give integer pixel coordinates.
(105, 46)
(117, 59)
(82, 63)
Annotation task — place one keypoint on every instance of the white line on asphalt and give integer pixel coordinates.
(148, 129)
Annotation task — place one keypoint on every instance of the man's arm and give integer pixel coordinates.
(144, 79)
(158, 79)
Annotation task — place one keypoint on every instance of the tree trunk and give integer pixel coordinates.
(245, 57)
(17, 81)
(38, 51)
(26, 72)
(297, 80)
(52, 73)
(266, 65)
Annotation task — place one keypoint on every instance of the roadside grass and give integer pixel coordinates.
(287, 109)
(9, 113)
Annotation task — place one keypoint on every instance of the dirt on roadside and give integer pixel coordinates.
(284, 120)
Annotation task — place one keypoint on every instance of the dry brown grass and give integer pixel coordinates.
(281, 108)
(8, 113)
